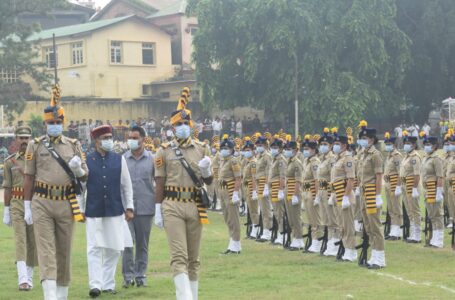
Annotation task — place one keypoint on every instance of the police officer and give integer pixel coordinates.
(51, 190)
(13, 173)
(229, 179)
(393, 187)
(250, 187)
(294, 176)
(410, 178)
(371, 186)
(450, 176)
(178, 200)
(342, 182)
(433, 183)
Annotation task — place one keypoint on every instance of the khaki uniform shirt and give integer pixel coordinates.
(169, 166)
(300, 156)
(310, 168)
(40, 163)
(410, 165)
(229, 168)
(216, 165)
(277, 168)
(449, 164)
(357, 158)
(343, 168)
(370, 164)
(295, 169)
(432, 167)
(264, 162)
(325, 167)
(249, 170)
(392, 163)
(13, 171)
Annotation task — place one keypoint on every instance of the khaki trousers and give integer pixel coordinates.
(23, 235)
(373, 226)
(184, 231)
(330, 216)
(294, 218)
(394, 206)
(278, 211)
(436, 214)
(53, 226)
(253, 207)
(313, 215)
(347, 224)
(266, 209)
(231, 214)
(413, 208)
(449, 199)
(358, 205)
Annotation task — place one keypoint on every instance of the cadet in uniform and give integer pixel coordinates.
(53, 208)
(264, 161)
(447, 157)
(311, 191)
(342, 182)
(393, 187)
(371, 187)
(178, 200)
(250, 186)
(294, 176)
(410, 178)
(450, 177)
(276, 185)
(13, 173)
(329, 213)
(433, 183)
(229, 184)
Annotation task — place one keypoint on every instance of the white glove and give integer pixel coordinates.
(235, 197)
(439, 194)
(332, 199)
(415, 193)
(357, 191)
(6, 216)
(75, 165)
(345, 203)
(280, 195)
(295, 200)
(317, 200)
(398, 190)
(204, 165)
(265, 193)
(254, 196)
(28, 212)
(378, 201)
(158, 217)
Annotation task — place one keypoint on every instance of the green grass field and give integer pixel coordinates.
(263, 271)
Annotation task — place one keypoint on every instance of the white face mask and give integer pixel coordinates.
(274, 152)
(225, 152)
(260, 149)
(107, 145)
(446, 148)
(362, 143)
(407, 148)
(213, 151)
(288, 153)
(324, 149)
(428, 149)
(133, 144)
(388, 148)
(336, 149)
(183, 131)
(248, 154)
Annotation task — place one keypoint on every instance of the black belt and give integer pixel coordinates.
(182, 195)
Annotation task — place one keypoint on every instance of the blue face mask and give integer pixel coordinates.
(248, 154)
(225, 152)
(388, 148)
(260, 149)
(324, 149)
(182, 131)
(133, 144)
(54, 130)
(452, 148)
(362, 143)
(236, 153)
(336, 149)
(428, 149)
(213, 151)
(306, 153)
(107, 145)
(274, 152)
(288, 153)
(407, 148)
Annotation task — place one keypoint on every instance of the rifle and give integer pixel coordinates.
(261, 225)
(324, 239)
(214, 201)
(286, 229)
(248, 224)
(428, 229)
(446, 215)
(242, 208)
(274, 230)
(406, 223)
(340, 252)
(364, 246)
(309, 239)
(453, 235)
(387, 224)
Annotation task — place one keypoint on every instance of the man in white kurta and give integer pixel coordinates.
(109, 205)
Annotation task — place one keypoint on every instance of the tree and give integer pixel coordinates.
(350, 57)
(17, 54)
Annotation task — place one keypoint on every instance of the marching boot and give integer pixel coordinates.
(315, 246)
(266, 236)
(279, 239)
(417, 233)
(62, 292)
(395, 233)
(30, 276)
(49, 289)
(349, 255)
(331, 248)
(232, 248)
(254, 232)
(194, 289)
(437, 240)
(182, 287)
(22, 276)
(372, 259)
(296, 244)
(379, 261)
(411, 236)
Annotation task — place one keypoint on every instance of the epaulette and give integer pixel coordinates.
(198, 142)
(165, 145)
(72, 141)
(39, 139)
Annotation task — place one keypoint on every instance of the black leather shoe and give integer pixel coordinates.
(94, 293)
(394, 238)
(112, 292)
(227, 252)
(139, 282)
(374, 267)
(128, 283)
(294, 249)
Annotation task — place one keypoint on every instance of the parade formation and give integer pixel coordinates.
(313, 194)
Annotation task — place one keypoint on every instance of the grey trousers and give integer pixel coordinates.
(135, 266)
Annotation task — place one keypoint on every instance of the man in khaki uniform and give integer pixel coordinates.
(294, 173)
(54, 206)
(229, 184)
(264, 161)
(250, 187)
(410, 178)
(433, 182)
(393, 187)
(371, 164)
(178, 200)
(13, 180)
(447, 157)
(276, 185)
(311, 192)
(342, 182)
(450, 177)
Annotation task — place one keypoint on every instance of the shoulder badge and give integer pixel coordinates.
(158, 161)
(165, 145)
(413, 161)
(28, 156)
(349, 164)
(315, 168)
(39, 139)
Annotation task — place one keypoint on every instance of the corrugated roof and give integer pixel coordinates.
(75, 29)
(178, 7)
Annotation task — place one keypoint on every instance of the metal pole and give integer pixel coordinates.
(296, 100)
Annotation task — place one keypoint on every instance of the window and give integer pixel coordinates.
(51, 59)
(77, 53)
(193, 30)
(116, 52)
(148, 53)
(9, 75)
(146, 90)
(165, 95)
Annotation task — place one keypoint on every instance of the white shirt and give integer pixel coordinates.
(238, 127)
(217, 125)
